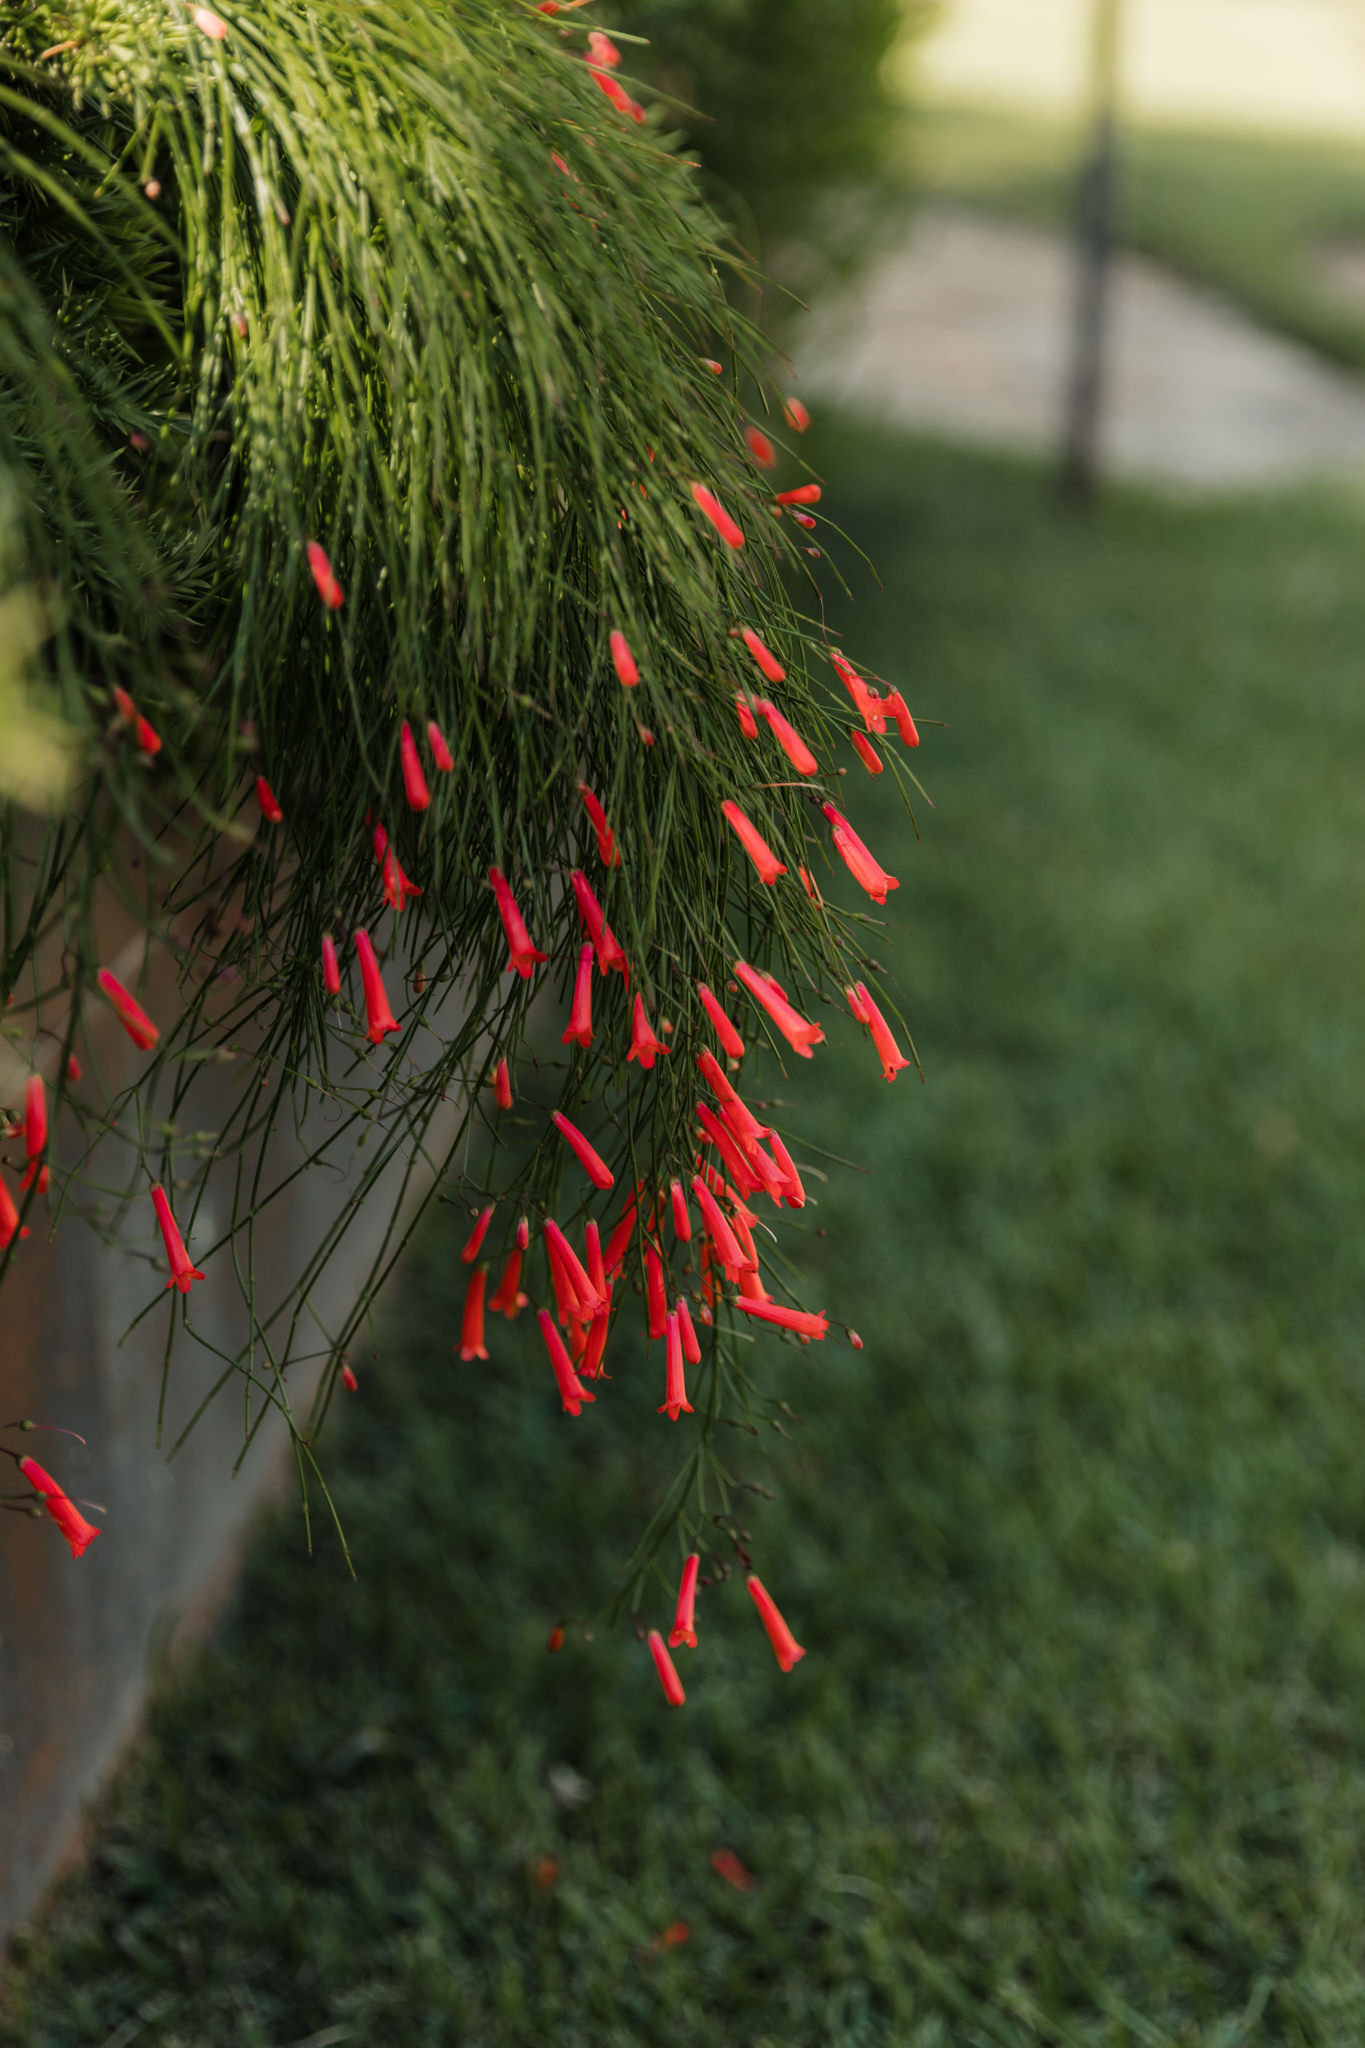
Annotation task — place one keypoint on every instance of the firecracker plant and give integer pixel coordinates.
(424, 560)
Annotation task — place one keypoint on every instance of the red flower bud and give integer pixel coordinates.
(269, 802)
(522, 954)
(329, 590)
(609, 951)
(331, 971)
(674, 1694)
(682, 1217)
(471, 1322)
(440, 752)
(596, 1168)
(790, 741)
(607, 851)
(656, 1301)
(691, 1349)
(572, 1392)
(803, 1322)
(624, 661)
(798, 1031)
(380, 1016)
(866, 752)
(414, 781)
(804, 494)
(786, 1649)
(797, 416)
(864, 868)
(684, 1628)
(731, 1042)
(708, 503)
(477, 1236)
(579, 1031)
(755, 845)
(761, 448)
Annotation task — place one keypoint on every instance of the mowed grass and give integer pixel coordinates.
(1254, 216)
(1076, 1544)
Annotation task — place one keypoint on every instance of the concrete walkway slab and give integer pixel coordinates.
(964, 330)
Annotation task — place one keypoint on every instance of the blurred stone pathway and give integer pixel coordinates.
(965, 330)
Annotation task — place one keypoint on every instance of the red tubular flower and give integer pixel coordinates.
(691, 1349)
(864, 699)
(726, 1246)
(607, 851)
(724, 1862)
(73, 1068)
(602, 49)
(798, 1031)
(892, 1058)
(440, 752)
(623, 660)
(590, 1367)
(502, 1086)
(183, 1274)
(269, 802)
(523, 955)
(730, 1040)
(610, 952)
(905, 724)
(329, 590)
(673, 1693)
(655, 1298)
(9, 1219)
(580, 1012)
(804, 494)
(471, 1323)
(79, 1533)
(644, 1046)
(477, 1236)
(748, 725)
(710, 363)
(348, 1379)
(736, 1165)
(804, 1322)
(35, 1131)
(331, 970)
(755, 845)
(675, 1401)
(789, 739)
(618, 1244)
(761, 448)
(865, 751)
(596, 1269)
(786, 1649)
(414, 781)
(209, 24)
(767, 661)
(146, 734)
(572, 1391)
(509, 1299)
(380, 1016)
(592, 1163)
(797, 416)
(684, 1628)
(707, 502)
(617, 94)
(856, 1004)
(682, 1215)
(793, 1191)
(587, 1299)
(861, 864)
(804, 519)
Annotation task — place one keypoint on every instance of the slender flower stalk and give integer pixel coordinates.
(477, 1236)
(768, 663)
(378, 1013)
(862, 865)
(803, 1322)
(579, 1030)
(663, 1664)
(329, 590)
(786, 1649)
(684, 1628)
(607, 850)
(471, 1322)
(656, 1300)
(755, 845)
(892, 1058)
(414, 781)
(707, 502)
(183, 1273)
(675, 1401)
(79, 1533)
(440, 752)
(592, 1162)
(730, 1040)
(624, 662)
(572, 1392)
(269, 802)
(331, 970)
(789, 739)
(800, 1033)
(644, 1046)
(502, 1085)
(522, 954)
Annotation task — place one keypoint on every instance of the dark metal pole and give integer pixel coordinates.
(1094, 246)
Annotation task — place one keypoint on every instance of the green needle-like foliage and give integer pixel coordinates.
(400, 280)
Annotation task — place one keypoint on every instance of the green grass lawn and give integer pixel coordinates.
(1076, 1544)
(1248, 214)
